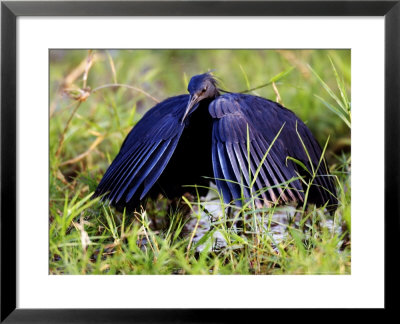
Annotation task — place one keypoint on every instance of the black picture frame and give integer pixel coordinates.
(10, 10)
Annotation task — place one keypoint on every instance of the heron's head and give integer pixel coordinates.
(200, 87)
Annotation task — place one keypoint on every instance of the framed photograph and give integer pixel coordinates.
(182, 156)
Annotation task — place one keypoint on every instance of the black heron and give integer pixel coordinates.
(214, 134)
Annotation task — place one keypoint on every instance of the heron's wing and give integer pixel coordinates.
(144, 153)
(236, 159)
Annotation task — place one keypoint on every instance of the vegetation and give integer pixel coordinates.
(95, 99)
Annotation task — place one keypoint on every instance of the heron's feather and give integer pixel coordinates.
(246, 126)
(144, 153)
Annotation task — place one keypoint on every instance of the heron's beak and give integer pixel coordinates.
(193, 100)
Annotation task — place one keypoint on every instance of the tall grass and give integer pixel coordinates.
(89, 117)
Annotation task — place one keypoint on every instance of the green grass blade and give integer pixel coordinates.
(265, 156)
(334, 110)
(328, 89)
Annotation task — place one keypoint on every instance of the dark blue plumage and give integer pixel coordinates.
(187, 138)
(233, 115)
(144, 154)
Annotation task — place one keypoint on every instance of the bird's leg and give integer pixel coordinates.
(200, 216)
(197, 220)
(157, 211)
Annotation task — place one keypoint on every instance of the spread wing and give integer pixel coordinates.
(236, 161)
(144, 153)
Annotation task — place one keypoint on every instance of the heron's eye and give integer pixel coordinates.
(204, 90)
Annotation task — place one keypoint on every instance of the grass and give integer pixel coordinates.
(89, 118)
